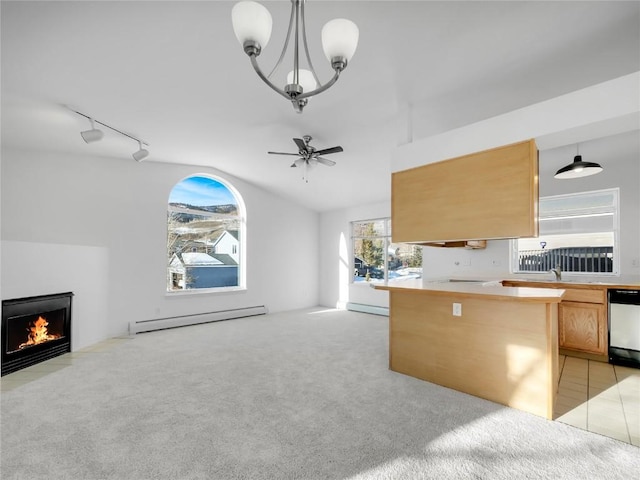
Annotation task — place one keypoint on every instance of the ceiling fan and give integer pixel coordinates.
(309, 156)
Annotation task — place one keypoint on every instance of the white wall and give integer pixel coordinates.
(30, 269)
(62, 203)
(336, 251)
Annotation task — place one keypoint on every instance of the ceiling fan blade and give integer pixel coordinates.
(284, 153)
(329, 150)
(324, 161)
(300, 143)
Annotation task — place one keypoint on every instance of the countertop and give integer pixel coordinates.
(477, 290)
(575, 284)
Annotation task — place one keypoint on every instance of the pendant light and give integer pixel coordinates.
(578, 168)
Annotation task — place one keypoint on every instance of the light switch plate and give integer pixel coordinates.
(457, 309)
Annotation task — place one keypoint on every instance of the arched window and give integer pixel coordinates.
(205, 235)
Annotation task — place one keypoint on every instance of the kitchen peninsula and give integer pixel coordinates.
(494, 342)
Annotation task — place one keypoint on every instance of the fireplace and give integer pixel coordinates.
(35, 329)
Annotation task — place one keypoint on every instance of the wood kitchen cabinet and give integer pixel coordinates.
(582, 327)
(485, 195)
(582, 317)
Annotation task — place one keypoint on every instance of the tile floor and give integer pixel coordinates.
(593, 396)
(600, 398)
(26, 375)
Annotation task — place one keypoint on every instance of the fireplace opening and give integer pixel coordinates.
(31, 330)
(35, 329)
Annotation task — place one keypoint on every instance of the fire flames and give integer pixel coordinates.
(38, 333)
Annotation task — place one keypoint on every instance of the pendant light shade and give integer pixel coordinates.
(578, 169)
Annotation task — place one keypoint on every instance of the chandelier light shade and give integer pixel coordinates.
(252, 26)
(578, 169)
(340, 39)
(251, 23)
(305, 79)
(92, 135)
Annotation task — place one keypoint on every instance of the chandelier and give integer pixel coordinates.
(252, 25)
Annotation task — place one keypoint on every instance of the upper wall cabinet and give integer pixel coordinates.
(486, 195)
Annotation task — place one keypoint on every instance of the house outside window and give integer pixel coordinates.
(578, 232)
(205, 228)
(376, 259)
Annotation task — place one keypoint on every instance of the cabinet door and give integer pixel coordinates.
(581, 326)
(484, 195)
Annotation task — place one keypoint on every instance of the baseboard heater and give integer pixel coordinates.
(185, 320)
(360, 307)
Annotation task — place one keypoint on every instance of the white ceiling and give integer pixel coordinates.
(173, 74)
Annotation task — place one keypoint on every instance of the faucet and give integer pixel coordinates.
(557, 272)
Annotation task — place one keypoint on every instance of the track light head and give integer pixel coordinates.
(92, 135)
(141, 154)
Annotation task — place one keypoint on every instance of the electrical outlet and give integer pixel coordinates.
(457, 309)
(466, 262)
(635, 262)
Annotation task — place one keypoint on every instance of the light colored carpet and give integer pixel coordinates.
(297, 395)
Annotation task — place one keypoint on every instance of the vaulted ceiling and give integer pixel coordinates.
(174, 75)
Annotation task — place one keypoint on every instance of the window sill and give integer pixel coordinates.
(205, 291)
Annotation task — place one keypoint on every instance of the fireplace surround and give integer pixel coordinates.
(35, 329)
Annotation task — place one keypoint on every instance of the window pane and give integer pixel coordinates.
(576, 204)
(581, 223)
(375, 255)
(369, 259)
(374, 228)
(203, 235)
(404, 261)
(577, 232)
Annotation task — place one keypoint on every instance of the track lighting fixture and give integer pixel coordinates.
(578, 168)
(141, 154)
(94, 135)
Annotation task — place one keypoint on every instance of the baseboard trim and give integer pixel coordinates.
(360, 307)
(186, 320)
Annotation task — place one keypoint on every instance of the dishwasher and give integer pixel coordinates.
(624, 327)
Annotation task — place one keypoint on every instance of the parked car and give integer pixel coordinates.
(361, 269)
